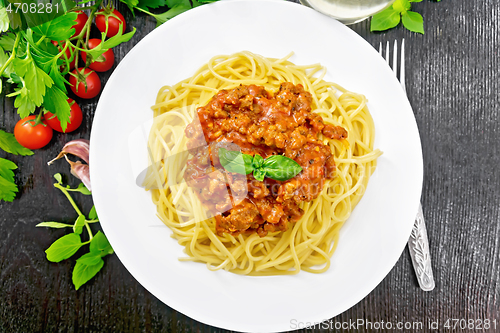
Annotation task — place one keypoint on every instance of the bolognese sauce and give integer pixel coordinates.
(259, 122)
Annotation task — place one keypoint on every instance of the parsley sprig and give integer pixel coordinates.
(65, 247)
(398, 12)
(8, 187)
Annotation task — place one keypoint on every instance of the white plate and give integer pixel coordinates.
(371, 241)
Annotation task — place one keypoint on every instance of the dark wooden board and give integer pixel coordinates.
(453, 85)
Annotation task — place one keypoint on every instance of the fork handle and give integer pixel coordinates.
(418, 244)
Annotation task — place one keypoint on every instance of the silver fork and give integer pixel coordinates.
(418, 244)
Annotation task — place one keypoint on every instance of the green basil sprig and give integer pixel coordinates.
(277, 167)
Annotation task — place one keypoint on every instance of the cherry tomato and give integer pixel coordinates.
(114, 23)
(81, 19)
(30, 136)
(85, 83)
(100, 66)
(66, 56)
(75, 118)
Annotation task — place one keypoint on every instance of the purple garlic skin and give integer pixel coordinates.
(79, 148)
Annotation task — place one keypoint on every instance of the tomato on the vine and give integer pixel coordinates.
(103, 16)
(75, 118)
(104, 62)
(81, 19)
(85, 83)
(32, 135)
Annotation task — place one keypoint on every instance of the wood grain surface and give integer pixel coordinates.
(453, 85)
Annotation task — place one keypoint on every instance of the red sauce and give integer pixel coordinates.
(259, 122)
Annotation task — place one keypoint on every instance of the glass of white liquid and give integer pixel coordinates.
(348, 11)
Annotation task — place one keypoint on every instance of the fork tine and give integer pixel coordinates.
(395, 58)
(402, 66)
(387, 53)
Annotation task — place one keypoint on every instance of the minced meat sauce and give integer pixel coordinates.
(259, 122)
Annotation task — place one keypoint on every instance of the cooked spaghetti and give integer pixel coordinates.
(305, 242)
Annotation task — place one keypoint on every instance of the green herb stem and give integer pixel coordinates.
(75, 207)
(12, 55)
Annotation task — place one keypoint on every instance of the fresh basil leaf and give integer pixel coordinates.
(64, 247)
(100, 244)
(9, 143)
(234, 161)
(83, 273)
(8, 187)
(259, 174)
(257, 161)
(413, 21)
(93, 214)
(386, 19)
(79, 224)
(279, 167)
(56, 225)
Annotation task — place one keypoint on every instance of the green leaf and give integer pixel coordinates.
(386, 19)
(57, 77)
(79, 224)
(82, 189)
(35, 79)
(100, 244)
(401, 5)
(173, 3)
(4, 18)
(144, 4)
(257, 161)
(259, 174)
(413, 21)
(8, 187)
(57, 225)
(82, 273)
(93, 214)
(7, 41)
(172, 12)
(3, 60)
(279, 167)
(110, 42)
(64, 247)
(131, 4)
(235, 161)
(90, 259)
(25, 106)
(58, 177)
(56, 101)
(59, 28)
(9, 143)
